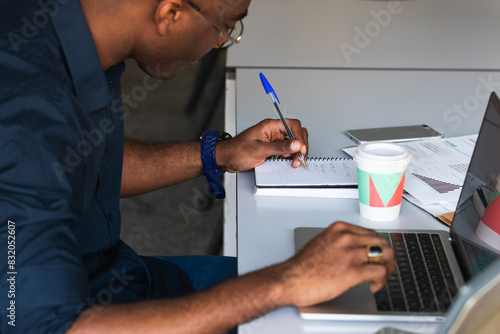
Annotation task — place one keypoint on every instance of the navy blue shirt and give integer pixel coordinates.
(61, 155)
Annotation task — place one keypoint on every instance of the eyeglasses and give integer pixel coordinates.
(228, 36)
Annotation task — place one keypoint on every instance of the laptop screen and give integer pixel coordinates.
(476, 225)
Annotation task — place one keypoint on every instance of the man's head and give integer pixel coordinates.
(163, 36)
(181, 32)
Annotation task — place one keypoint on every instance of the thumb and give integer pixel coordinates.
(285, 147)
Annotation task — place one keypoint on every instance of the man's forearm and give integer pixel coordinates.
(151, 166)
(215, 310)
(332, 263)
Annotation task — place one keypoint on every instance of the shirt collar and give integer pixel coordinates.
(81, 55)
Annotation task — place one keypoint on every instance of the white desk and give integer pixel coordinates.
(457, 35)
(265, 236)
(417, 34)
(329, 102)
(434, 62)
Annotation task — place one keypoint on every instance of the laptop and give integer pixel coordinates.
(432, 265)
(476, 308)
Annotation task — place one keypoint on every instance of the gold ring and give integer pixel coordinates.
(375, 253)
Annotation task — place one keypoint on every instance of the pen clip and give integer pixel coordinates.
(267, 86)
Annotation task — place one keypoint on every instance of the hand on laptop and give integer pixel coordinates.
(333, 262)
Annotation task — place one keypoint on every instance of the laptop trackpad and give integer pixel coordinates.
(357, 300)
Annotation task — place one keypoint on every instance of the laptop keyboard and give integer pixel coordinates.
(423, 281)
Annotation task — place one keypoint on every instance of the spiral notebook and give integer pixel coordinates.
(325, 177)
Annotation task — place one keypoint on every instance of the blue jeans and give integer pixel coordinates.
(204, 271)
(135, 278)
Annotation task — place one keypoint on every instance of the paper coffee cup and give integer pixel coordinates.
(381, 174)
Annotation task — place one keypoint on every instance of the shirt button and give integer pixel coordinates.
(111, 217)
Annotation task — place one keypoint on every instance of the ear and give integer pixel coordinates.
(166, 13)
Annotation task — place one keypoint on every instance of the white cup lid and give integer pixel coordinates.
(381, 152)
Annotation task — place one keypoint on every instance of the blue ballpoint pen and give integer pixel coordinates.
(276, 102)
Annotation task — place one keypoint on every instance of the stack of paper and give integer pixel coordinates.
(437, 171)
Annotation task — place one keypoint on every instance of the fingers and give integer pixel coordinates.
(376, 272)
(300, 133)
(339, 257)
(284, 146)
(302, 137)
(379, 276)
(267, 138)
(379, 273)
(339, 226)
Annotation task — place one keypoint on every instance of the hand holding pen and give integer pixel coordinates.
(276, 103)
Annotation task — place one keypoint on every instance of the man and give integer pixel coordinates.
(65, 164)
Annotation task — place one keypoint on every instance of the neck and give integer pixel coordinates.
(112, 30)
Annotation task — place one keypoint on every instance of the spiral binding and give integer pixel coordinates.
(277, 158)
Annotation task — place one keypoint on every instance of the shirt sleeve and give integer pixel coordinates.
(43, 276)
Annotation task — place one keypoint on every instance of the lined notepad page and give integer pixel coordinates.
(321, 172)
